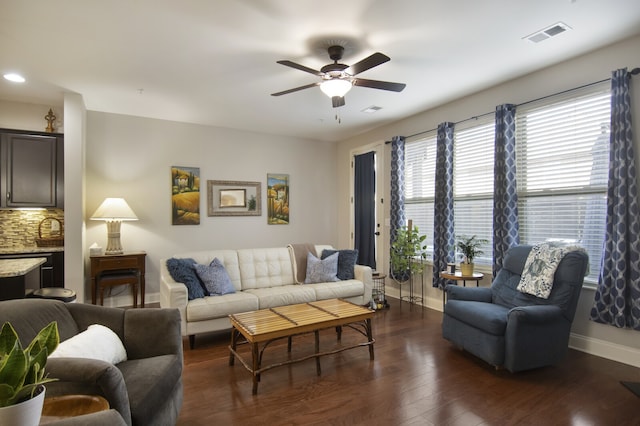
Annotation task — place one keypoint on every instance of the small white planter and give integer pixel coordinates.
(26, 413)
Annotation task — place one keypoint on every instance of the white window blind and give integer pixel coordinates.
(473, 182)
(562, 168)
(420, 171)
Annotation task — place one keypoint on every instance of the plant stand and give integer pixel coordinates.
(412, 298)
(378, 293)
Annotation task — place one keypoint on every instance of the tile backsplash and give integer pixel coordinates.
(19, 228)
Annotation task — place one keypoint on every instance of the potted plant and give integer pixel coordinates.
(22, 374)
(408, 246)
(470, 248)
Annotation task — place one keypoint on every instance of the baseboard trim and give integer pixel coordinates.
(604, 349)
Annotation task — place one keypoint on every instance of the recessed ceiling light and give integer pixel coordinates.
(371, 109)
(16, 78)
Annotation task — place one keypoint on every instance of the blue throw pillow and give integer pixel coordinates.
(215, 278)
(183, 271)
(321, 271)
(346, 262)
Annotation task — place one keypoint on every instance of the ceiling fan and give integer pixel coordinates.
(337, 79)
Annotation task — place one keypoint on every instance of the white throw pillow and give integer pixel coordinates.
(97, 342)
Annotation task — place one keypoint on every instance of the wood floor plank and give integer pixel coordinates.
(417, 378)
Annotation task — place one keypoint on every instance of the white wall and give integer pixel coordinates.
(74, 185)
(607, 341)
(24, 116)
(131, 157)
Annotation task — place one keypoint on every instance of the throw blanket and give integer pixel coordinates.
(540, 267)
(300, 252)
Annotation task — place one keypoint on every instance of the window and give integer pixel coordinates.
(562, 168)
(562, 165)
(420, 172)
(473, 183)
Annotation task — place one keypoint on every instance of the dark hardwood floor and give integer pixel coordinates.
(417, 378)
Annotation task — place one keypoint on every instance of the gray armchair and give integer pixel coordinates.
(510, 329)
(146, 389)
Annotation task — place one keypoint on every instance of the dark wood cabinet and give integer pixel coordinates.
(51, 271)
(31, 169)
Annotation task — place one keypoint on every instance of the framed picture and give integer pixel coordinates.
(185, 195)
(233, 198)
(277, 199)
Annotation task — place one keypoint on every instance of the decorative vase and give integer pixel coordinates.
(25, 413)
(466, 269)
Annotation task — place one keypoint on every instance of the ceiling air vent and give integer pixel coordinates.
(548, 32)
(371, 109)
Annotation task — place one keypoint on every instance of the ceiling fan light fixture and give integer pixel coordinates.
(335, 87)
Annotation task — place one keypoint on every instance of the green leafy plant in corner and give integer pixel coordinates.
(22, 371)
(470, 247)
(407, 247)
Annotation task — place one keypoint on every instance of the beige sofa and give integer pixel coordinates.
(263, 278)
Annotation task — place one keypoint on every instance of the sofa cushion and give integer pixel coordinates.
(338, 289)
(29, 316)
(265, 267)
(148, 382)
(488, 317)
(96, 342)
(183, 271)
(215, 278)
(283, 295)
(321, 270)
(213, 307)
(346, 262)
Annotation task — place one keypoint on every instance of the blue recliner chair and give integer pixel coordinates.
(511, 329)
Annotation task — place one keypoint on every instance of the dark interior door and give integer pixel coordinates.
(365, 208)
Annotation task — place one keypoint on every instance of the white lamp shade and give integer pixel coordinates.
(114, 209)
(335, 87)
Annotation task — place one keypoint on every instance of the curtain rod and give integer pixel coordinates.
(633, 72)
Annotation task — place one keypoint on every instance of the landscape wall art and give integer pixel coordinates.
(185, 198)
(277, 199)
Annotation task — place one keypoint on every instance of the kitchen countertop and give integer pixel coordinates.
(17, 267)
(29, 249)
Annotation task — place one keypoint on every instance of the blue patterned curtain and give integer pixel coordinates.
(443, 236)
(505, 195)
(397, 214)
(617, 299)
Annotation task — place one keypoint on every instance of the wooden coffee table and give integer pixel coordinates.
(262, 327)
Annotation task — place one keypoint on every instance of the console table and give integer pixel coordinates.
(117, 263)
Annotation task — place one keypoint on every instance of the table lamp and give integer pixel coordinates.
(113, 211)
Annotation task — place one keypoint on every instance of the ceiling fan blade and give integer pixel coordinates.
(307, 86)
(337, 101)
(368, 63)
(376, 84)
(300, 67)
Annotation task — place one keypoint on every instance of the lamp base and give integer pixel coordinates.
(113, 237)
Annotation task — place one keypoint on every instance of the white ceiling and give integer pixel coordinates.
(214, 61)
